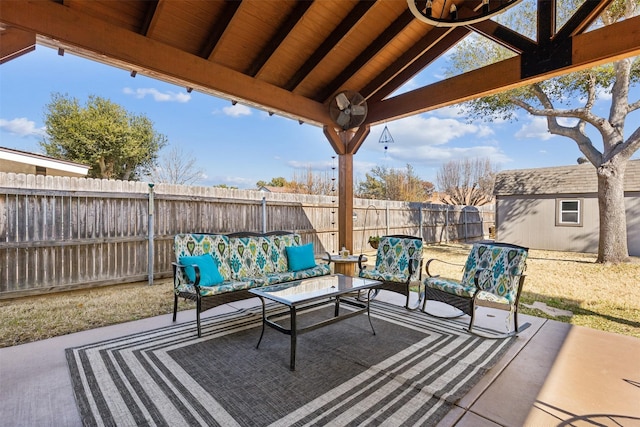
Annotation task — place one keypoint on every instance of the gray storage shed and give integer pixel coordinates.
(556, 208)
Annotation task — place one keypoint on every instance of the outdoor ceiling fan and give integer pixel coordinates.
(348, 109)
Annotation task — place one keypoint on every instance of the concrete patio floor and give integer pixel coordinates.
(555, 374)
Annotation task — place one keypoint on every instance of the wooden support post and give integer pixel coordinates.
(345, 144)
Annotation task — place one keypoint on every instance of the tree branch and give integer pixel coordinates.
(576, 132)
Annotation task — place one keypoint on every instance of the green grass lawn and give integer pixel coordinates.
(604, 297)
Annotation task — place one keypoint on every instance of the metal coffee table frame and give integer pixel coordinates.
(307, 294)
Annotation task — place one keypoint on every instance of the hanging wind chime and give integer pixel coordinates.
(386, 138)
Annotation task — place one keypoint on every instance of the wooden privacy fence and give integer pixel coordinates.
(59, 233)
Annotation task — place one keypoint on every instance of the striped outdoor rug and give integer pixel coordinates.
(410, 373)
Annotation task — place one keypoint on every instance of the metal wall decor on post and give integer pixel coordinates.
(448, 13)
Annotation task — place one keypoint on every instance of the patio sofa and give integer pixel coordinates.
(214, 269)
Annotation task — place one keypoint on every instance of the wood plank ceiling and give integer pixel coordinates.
(291, 57)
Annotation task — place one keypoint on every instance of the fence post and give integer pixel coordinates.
(446, 224)
(386, 218)
(151, 257)
(420, 232)
(264, 215)
(464, 220)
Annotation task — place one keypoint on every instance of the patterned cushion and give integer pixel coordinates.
(450, 286)
(387, 277)
(503, 265)
(394, 255)
(279, 252)
(244, 263)
(318, 270)
(215, 245)
(250, 257)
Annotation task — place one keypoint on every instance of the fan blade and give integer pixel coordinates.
(342, 101)
(343, 120)
(358, 110)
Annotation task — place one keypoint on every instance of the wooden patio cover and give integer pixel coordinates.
(292, 57)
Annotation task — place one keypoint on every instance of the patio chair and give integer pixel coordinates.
(398, 264)
(492, 277)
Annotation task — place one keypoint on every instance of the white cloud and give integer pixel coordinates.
(319, 165)
(231, 181)
(451, 112)
(22, 126)
(435, 156)
(420, 130)
(237, 110)
(157, 95)
(535, 129)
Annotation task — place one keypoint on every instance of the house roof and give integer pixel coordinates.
(273, 189)
(34, 159)
(575, 179)
(292, 57)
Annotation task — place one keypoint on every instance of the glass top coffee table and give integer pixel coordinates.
(306, 294)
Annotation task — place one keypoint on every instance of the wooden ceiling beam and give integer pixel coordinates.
(583, 18)
(15, 42)
(433, 50)
(229, 10)
(149, 17)
(281, 33)
(369, 52)
(346, 25)
(103, 42)
(597, 47)
(504, 36)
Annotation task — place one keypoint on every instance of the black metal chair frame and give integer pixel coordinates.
(468, 305)
(402, 288)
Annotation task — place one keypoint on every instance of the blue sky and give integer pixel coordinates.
(238, 146)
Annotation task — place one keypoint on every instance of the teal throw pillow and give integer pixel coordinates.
(209, 273)
(300, 257)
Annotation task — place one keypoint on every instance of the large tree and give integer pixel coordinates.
(466, 182)
(101, 134)
(177, 167)
(394, 184)
(573, 96)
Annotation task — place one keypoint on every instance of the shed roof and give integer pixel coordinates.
(574, 179)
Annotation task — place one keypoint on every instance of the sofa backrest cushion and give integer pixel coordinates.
(250, 257)
(505, 263)
(395, 253)
(216, 245)
(279, 255)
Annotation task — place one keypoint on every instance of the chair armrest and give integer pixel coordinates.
(360, 266)
(328, 257)
(477, 280)
(426, 267)
(177, 266)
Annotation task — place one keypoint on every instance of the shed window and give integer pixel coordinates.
(569, 212)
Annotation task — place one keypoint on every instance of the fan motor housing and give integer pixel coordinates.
(348, 109)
